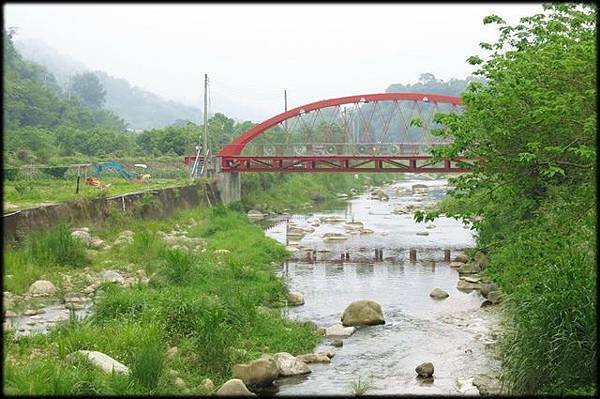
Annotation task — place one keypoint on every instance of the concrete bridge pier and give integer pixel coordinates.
(229, 186)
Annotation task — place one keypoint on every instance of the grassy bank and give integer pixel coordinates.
(20, 194)
(305, 192)
(206, 304)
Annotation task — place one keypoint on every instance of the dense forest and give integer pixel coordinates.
(140, 108)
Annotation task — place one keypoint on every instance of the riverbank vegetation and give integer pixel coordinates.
(216, 305)
(533, 126)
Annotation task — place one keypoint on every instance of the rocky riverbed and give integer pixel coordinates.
(430, 293)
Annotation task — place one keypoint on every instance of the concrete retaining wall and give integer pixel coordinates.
(146, 204)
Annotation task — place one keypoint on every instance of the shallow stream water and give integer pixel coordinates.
(455, 334)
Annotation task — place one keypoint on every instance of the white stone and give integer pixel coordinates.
(84, 236)
(42, 287)
(112, 276)
(234, 387)
(289, 365)
(295, 298)
(104, 362)
(339, 330)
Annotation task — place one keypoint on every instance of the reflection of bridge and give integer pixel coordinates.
(374, 255)
(388, 132)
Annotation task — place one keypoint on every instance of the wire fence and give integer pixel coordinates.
(157, 169)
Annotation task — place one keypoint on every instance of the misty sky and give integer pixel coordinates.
(252, 52)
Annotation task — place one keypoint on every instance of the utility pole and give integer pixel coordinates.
(205, 166)
(285, 99)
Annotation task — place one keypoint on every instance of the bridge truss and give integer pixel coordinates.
(386, 132)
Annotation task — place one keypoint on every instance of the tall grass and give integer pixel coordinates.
(149, 360)
(56, 248)
(547, 268)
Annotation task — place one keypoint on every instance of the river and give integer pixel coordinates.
(455, 334)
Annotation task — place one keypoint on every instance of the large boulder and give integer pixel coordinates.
(234, 387)
(438, 293)
(289, 365)
(338, 330)
(104, 362)
(425, 370)
(295, 298)
(42, 288)
(363, 312)
(259, 372)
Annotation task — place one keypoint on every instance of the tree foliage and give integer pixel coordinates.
(88, 87)
(531, 127)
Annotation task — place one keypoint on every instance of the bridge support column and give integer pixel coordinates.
(229, 186)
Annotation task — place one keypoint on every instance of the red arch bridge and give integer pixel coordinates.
(362, 133)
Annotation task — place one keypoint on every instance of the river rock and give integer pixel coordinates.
(338, 330)
(419, 188)
(422, 233)
(438, 293)
(424, 370)
(469, 268)
(461, 258)
(259, 372)
(234, 387)
(466, 286)
(96, 243)
(9, 314)
(466, 387)
(494, 297)
(363, 312)
(480, 259)
(254, 214)
(83, 236)
(487, 385)
(289, 365)
(295, 298)
(337, 343)
(222, 251)
(473, 278)
(315, 358)
(42, 288)
(104, 362)
(487, 288)
(456, 265)
(112, 277)
(334, 237)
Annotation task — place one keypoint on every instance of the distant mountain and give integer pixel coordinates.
(140, 108)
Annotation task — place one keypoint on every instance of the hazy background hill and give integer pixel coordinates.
(140, 108)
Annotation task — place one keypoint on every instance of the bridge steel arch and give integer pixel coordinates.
(232, 161)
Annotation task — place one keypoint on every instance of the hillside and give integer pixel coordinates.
(140, 108)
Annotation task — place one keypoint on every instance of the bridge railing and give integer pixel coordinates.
(355, 149)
